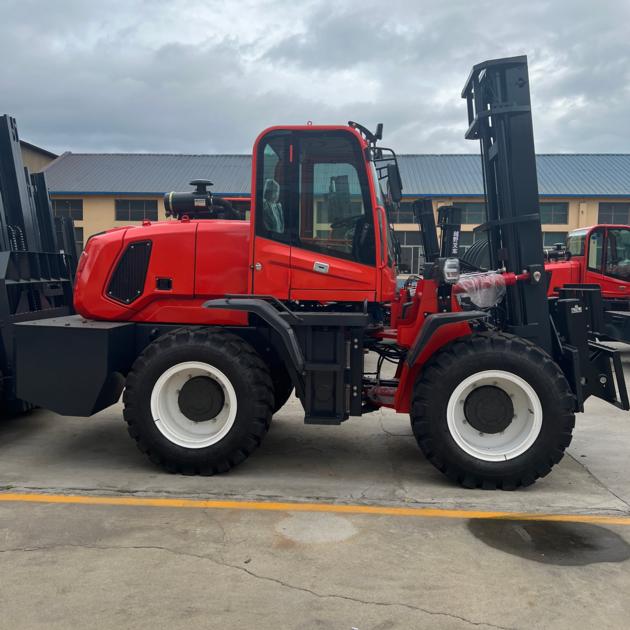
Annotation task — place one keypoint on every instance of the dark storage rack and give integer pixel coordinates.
(38, 256)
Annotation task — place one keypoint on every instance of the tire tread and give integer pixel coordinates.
(260, 391)
(428, 382)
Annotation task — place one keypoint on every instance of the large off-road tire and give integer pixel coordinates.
(198, 401)
(282, 386)
(492, 411)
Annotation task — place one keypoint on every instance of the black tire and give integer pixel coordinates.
(282, 386)
(14, 406)
(248, 375)
(492, 351)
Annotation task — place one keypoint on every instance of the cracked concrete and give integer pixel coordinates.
(70, 566)
(282, 583)
(136, 567)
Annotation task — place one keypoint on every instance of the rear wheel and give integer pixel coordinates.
(493, 411)
(198, 401)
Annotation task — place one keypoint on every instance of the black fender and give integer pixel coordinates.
(432, 323)
(278, 319)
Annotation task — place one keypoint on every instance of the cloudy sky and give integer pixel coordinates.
(205, 77)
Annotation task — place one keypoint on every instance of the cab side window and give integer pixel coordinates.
(335, 215)
(595, 251)
(618, 254)
(274, 186)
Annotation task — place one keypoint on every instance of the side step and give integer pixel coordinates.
(332, 344)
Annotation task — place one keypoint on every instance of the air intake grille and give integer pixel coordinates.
(127, 281)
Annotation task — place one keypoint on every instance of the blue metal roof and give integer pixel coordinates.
(146, 173)
(562, 175)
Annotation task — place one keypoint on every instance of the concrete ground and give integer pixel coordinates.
(67, 565)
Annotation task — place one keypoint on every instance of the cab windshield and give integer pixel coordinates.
(378, 167)
(380, 195)
(575, 243)
(617, 255)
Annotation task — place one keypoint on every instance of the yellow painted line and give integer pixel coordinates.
(274, 506)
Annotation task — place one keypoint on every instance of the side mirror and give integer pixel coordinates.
(394, 183)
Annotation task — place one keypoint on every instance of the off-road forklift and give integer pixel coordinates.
(208, 324)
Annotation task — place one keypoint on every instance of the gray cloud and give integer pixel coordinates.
(194, 76)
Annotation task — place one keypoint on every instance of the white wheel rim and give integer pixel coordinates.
(516, 438)
(173, 424)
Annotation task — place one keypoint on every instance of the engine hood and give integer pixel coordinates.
(158, 271)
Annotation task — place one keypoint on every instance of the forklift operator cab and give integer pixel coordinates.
(605, 252)
(319, 228)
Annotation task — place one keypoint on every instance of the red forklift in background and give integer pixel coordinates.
(595, 257)
(598, 255)
(207, 324)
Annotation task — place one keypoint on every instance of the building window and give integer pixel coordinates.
(555, 213)
(404, 213)
(72, 208)
(551, 238)
(136, 209)
(472, 213)
(610, 212)
(411, 251)
(78, 238)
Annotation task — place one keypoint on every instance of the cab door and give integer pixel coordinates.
(611, 256)
(594, 259)
(274, 197)
(333, 246)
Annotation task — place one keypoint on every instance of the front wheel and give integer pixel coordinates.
(198, 401)
(492, 411)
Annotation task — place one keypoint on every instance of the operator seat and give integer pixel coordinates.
(273, 214)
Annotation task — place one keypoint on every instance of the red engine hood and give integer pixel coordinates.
(563, 272)
(196, 260)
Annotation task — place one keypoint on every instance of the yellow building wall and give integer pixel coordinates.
(99, 212)
(582, 212)
(35, 161)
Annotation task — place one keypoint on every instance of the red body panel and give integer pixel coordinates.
(93, 270)
(222, 258)
(187, 252)
(271, 268)
(424, 302)
(353, 279)
(564, 272)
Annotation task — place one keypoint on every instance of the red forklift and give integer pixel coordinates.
(206, 325)
(598, 255)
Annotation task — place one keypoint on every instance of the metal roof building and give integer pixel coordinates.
(565, 175)
(100, 190)
(146, 173)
